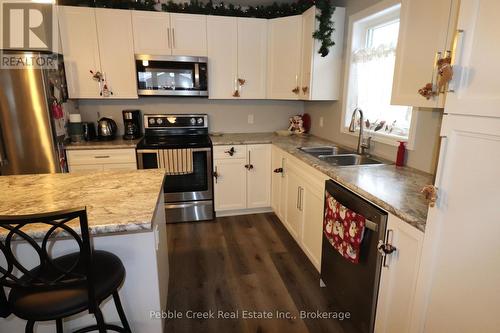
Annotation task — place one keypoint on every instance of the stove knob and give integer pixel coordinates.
(159, 121)
(193, 121)
(200, 121)
(151, 121)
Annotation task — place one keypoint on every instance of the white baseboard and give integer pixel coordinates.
(243, 211)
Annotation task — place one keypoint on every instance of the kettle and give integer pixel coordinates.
(106, 128)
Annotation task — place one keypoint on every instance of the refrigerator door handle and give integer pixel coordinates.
(3, 151)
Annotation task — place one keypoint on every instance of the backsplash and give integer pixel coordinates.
(229, 116)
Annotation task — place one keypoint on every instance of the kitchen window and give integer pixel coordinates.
(373, 36)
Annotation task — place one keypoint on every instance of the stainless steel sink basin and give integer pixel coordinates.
(325, 150)
(349, 159)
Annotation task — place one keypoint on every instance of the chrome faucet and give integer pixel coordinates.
(363, 144)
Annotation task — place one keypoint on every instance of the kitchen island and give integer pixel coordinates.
(126, 216)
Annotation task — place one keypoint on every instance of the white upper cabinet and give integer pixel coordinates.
(284, 57)
(320, 76)
(163, 34)
(424, 35)
(222, 35)
(81, 51)
(476, 82)
(252, 58)
(189, 34)
(152, 33)
(116, 49)
(237, 57)
(295, 68)
(98, 40)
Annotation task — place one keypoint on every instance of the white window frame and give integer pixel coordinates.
(358, 18)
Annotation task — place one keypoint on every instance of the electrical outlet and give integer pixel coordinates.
(250, 119)
(321, 122)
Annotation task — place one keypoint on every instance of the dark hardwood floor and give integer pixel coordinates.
(242, 263)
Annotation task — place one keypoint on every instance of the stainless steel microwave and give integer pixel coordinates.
(171, 75)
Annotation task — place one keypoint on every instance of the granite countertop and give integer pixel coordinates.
(395, 189)
(118, 143)
(116, 201)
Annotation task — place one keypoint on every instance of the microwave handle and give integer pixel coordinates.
(197, 76)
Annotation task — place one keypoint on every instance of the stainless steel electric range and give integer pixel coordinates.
(188, 195)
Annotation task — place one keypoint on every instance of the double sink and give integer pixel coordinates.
(338, 156)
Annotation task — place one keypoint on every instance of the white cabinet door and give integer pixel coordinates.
(398, 278)
(284, 45)
(80, 49)
(189, 34)
(312, 225)
(151, 33)
(116, 49)
(230, 184)
(458, 284)
(278, 182)
(308, 27)
(252, 57)
(222, 35)
(418, 44)
(293, 218)
(259, 176)
(476, 81)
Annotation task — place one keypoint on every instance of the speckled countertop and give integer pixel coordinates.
(395, 189)
(116, 201)
(118, 143)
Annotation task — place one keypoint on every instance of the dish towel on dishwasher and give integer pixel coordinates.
(343, 228)
(178, 161)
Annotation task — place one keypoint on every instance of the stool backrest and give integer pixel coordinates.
(11, 232)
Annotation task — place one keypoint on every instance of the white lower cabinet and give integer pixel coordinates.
(242, 179)
(278, 184)
(101, 159)
(398, 279)
(297, 199)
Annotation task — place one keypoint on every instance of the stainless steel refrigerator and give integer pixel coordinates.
(32, 123)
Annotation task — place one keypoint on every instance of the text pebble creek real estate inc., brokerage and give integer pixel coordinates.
(28, 27)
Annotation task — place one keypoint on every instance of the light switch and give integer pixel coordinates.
(321, 122)
(250, 119)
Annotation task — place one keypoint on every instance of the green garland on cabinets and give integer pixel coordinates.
(323, 33)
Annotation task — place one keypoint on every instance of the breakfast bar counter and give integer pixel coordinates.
(126, 216)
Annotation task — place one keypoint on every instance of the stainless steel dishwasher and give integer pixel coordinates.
(353, 286)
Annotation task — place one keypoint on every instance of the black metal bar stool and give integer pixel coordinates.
(62, 286)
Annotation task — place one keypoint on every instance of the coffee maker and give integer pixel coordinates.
(131, 124)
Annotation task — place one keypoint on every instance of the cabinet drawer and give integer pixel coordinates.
(223, 152)
(101, 156)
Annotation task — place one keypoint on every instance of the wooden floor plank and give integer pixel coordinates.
(242, 263)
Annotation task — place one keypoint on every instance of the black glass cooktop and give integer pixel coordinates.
(175, 141)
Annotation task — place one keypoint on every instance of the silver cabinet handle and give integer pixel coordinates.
(173, 37)
(102, 156)
(249, 166)
(301, 198)
(435, 69)
(168, 38)
(454, 51)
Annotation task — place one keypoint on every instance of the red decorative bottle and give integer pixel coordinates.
(400, 159)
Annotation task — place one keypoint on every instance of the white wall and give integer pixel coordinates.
(230, 116)
(424, 154)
